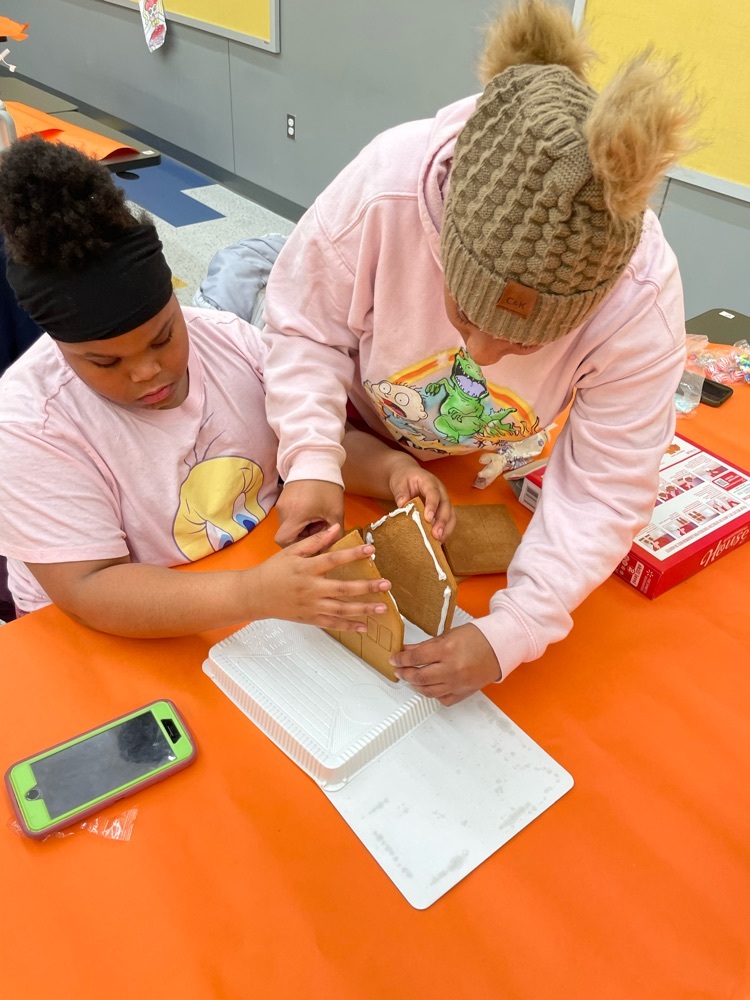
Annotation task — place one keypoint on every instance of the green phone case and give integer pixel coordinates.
(33, 815)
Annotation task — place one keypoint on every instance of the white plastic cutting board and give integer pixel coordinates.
(431, 792)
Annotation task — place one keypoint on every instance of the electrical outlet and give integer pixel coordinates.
(291, 126)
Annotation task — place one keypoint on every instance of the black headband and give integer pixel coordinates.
(124, 288)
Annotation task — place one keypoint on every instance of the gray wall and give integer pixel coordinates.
(710, 234)
(347, 69)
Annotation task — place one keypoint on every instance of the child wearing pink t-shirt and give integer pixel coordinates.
(133, 433)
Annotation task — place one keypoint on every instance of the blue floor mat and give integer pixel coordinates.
(160, 190)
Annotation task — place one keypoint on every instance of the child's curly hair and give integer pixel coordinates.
(58, 207)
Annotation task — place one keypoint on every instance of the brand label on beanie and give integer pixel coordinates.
(517, 298)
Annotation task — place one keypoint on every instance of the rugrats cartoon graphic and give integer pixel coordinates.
(464, 396)
(401, 407)
(401, 400)
(218, 505)
(444, 405)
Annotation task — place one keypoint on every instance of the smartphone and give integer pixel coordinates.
(715, 393)
(74, 779)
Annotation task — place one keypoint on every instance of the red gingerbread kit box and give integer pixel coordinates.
(702, 512)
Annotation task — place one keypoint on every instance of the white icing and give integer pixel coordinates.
(370, 541)
(398, 510)
(447, 593)
(440, 574)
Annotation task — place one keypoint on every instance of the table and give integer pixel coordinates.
(241, 881)
(721, 326)
(13, 89)
(145, 156)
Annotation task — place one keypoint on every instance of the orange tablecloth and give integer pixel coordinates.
(31, 121)
(241, 881)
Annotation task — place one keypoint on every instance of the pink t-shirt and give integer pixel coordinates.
(84, 478)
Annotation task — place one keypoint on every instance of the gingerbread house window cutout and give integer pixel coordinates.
(423, 589)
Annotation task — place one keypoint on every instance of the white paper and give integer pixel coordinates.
(154, 23)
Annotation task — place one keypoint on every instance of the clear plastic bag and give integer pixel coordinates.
(688, 393)
(725, 363)
(113, 827)
(510, 455)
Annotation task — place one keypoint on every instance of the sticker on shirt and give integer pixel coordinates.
(218, 505)
(445, 405)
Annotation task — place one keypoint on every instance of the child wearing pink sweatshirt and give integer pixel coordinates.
(462, 281)
(133, 433)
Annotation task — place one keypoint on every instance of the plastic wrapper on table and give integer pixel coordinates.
(510, 455)
(688, 394)
(112, 827)
(725, 363)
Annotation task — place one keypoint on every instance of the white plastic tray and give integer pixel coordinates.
(455, 784)
(448, 796)
(319, 703)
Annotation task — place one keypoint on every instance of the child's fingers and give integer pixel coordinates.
(431, 496)
(346, 589)
(314, 544)
(342, 557)
(348, 616)
(437, 507)
(315, 528)
(445, 520)
(340, 624)
(419, 654)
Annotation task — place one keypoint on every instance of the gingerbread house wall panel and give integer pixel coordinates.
(385, 633)
(423, 585)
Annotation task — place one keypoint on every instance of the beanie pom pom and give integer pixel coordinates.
(534, 33)
(639, 127)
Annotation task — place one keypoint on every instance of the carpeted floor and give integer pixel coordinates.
(195, 217)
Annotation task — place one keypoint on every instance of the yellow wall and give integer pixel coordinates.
(249, 17)
(246, 17)
(712, 37)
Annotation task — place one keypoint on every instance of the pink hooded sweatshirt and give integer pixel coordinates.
(355, 307)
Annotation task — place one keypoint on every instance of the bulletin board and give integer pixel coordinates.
(711, 40)
(253, 22)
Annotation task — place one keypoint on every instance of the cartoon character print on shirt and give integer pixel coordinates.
(218, 504)
(397, 399)
(445, 405)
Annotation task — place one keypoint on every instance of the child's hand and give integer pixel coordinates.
(449, 667)
(408, 479)
(307, 506)
(292, 585)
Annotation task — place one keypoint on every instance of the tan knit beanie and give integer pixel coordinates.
(534, 234)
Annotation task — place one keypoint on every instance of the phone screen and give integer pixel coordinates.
(78, 774)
